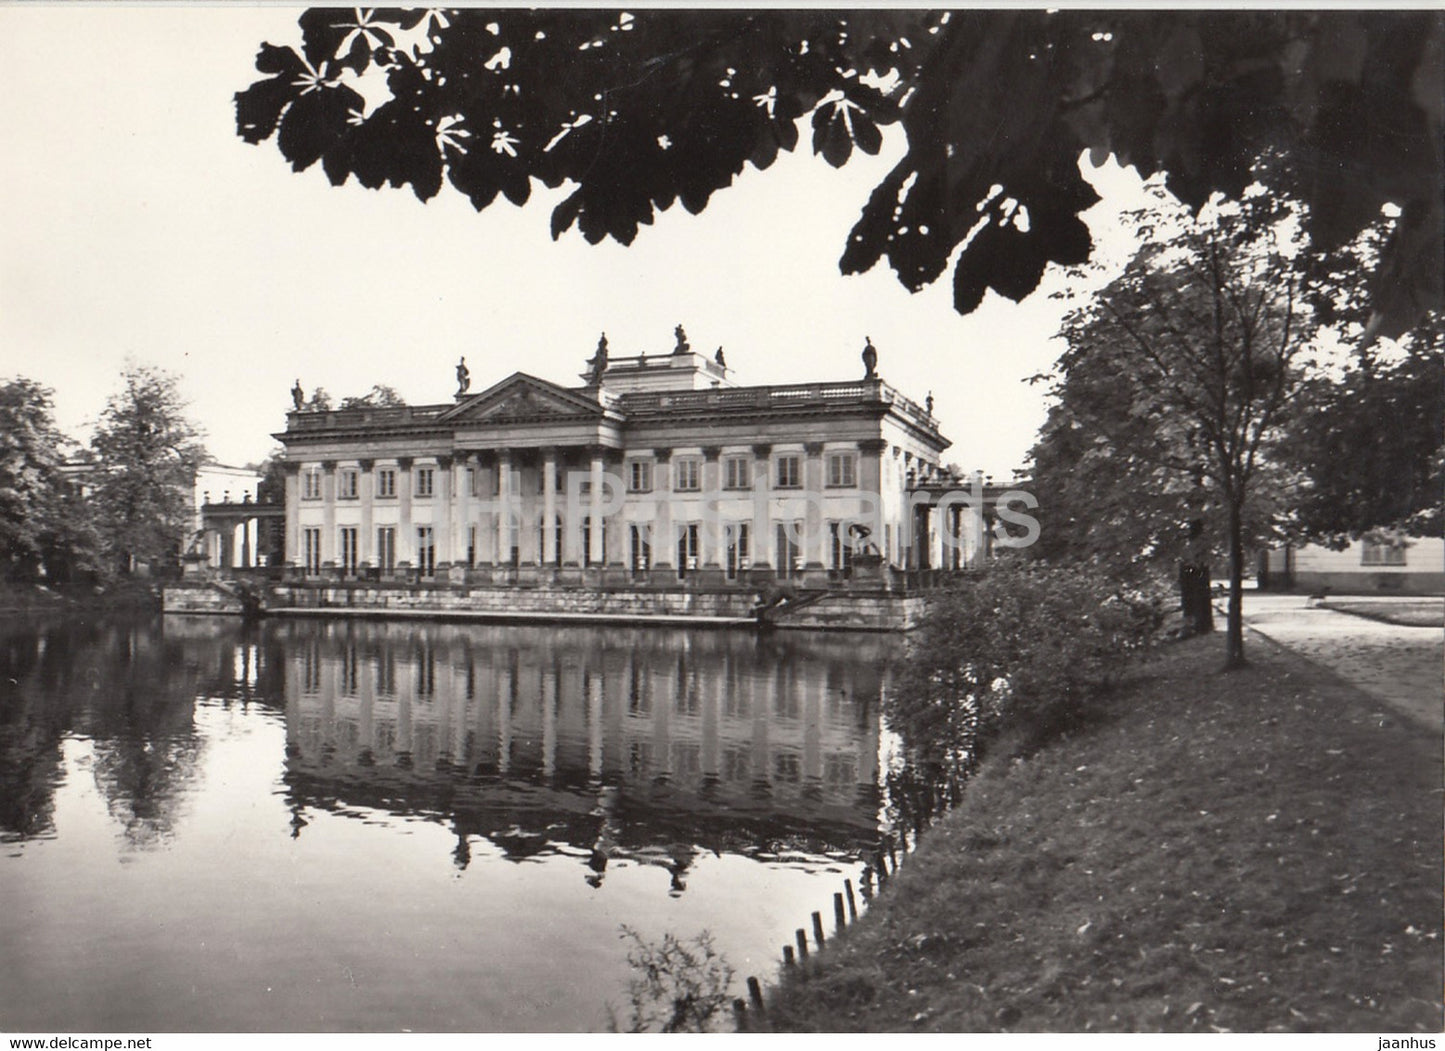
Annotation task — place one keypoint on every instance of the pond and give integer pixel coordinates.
(310, 825)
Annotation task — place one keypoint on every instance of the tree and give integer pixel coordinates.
(379, 397)
(633, 112)
(41, 525)
(146, 456)
(1373, 451)
(1175, 385)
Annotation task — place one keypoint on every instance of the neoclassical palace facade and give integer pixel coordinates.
(655, 470)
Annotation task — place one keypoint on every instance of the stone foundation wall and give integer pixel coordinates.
(198, 598)
(855, 612)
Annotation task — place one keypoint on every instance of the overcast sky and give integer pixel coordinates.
(134, 222)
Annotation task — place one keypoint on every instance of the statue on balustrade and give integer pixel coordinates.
(464, 377)
(870, 360)
(298, 395)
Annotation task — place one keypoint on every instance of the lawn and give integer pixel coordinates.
(1412, 613)
(1258, 851)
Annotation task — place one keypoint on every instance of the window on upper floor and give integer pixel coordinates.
(788, 473)
(311, 485)
(386, 482)
(346, 488)
(688, 474)
(425, 480)
(736, 472)
(639, 476)
(841, 472)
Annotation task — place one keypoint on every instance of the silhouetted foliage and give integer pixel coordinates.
(633, 112)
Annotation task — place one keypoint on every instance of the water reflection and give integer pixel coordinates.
(599, 743)
(463, 815)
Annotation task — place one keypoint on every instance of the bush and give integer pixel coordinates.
(1021, 650)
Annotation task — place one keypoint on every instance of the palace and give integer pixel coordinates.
(655, 471)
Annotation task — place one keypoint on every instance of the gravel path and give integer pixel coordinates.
(1402, 667)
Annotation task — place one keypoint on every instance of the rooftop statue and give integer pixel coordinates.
(298, 396)
(464, 377)
(597, 364)
(928, 403)
(870, 359)
(718, 357)
(683, 347)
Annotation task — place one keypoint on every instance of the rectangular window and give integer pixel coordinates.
(311, 485)
(640, 548)
(639, 477)
(735, 472)
(687, 550)
(688, 475)
(346, 486)
(426, 551)
(1374, 553)
(789, 477)
(471, 545)
(349, 556)
(840, 470)
(739, 558)
(789, 551)
(311, 549)
(386, 547)
(386, 482)
(425, 479)
(471, 481)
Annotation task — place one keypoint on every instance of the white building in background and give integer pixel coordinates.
(1409, 564)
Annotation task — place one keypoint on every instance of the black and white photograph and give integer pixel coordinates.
(774, 520)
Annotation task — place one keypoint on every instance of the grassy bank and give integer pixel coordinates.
(1410, 613)
(1256, 851)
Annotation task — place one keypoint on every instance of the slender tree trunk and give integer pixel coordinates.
(1234, 629)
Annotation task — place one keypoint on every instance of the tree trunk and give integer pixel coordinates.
(1234, 628)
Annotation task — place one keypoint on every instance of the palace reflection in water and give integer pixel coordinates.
(614, 741)
(353, 825)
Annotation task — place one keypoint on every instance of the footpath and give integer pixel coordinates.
(1401, 667)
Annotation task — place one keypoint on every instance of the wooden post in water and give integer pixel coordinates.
(755, 992)
(802, 937)
(740, 1014)
(839, 915)
(818, 928)
(788, 955)
(852, 902)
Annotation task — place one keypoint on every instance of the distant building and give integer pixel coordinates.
(1407, 564)
(229, 529)
(657, 469)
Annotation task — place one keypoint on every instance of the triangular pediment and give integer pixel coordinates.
(520, 398)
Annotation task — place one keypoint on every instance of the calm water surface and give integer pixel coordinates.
(314, 825)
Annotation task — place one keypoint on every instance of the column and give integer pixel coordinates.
(292, 552)
(405, 533)
(366, 490)
(504, 507)
(328, 509)
(487, 553)
(457, 509)
(594, 510)
(442, 494)
(549, 507)
(664, 544)
(761, 542)
(709, 539)
(814, 540)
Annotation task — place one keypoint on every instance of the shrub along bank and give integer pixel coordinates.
(1256, 850)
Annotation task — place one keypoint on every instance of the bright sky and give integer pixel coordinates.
(134, 222)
